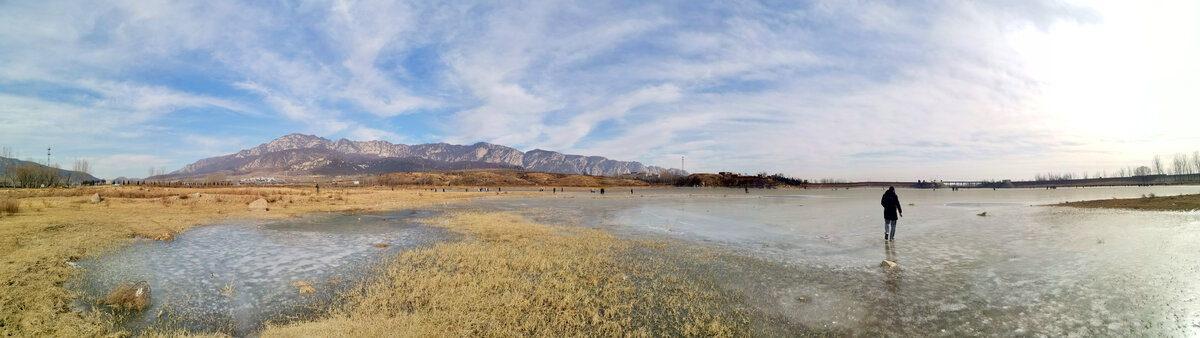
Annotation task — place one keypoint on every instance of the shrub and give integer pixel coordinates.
(9, 206)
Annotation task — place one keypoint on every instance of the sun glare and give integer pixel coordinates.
(1128, 77)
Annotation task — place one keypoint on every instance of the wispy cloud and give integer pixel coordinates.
(817, 88)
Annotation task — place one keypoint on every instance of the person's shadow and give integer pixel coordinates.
(892, 277)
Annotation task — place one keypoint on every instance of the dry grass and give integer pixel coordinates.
(517, 278)
(1151, 202)
(9, 206)
(129, 296)
(58, 225)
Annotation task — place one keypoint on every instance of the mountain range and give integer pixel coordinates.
(298, 154)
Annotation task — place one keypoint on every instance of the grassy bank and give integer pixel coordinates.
(42, 230)
(1150, 202)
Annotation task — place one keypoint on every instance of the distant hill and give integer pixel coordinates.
(299, 154)
(14, 172)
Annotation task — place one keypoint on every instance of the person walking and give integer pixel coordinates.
(891, 208)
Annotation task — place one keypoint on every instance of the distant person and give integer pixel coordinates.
(891, 207)
(318, 189)
(602, 191)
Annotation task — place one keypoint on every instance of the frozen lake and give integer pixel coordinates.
(1024, 269)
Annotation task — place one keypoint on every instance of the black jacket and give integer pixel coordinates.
(891, 205)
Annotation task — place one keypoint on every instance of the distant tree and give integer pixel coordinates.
(82, 166)
(6, 165)
(1180, 164)
(1196, 161)
(1158, 165)
(1142, 171)
(214, 178)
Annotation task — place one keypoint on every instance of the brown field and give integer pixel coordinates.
(509, 277)
(1156, 203)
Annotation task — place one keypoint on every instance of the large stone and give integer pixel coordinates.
(888, 264)
(259, 205)
(96, 198)
(129, 295)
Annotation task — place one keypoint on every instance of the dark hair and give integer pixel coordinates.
(891, 188)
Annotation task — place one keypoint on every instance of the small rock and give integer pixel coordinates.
(96, 198)
(801, 299)
(982, 214)
(259, 205)
(381, 245)
(195, 195)
(888, 264)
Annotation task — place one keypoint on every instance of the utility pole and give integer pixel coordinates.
(47, 156)
(681, 166)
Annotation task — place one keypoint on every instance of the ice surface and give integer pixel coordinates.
(231, 278)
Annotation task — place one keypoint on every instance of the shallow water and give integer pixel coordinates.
(1024, 269)
(231, 278)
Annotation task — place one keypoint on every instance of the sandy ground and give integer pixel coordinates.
(1157, 203)
(592, 284)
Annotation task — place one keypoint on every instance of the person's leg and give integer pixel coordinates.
(886, 228)
(892, 233)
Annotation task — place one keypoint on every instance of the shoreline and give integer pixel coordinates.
(1148, 203)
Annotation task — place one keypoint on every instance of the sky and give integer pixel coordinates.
(856, 90)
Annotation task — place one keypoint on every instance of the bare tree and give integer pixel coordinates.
(215, 178)
(1142, 171)
(6, 165)
(1180, 164)
(82, 166)
(1196, 161)
(1158, 165)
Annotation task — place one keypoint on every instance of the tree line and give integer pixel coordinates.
(1180, 164)
(29, 174)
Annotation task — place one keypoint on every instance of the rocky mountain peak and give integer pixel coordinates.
(309, 154)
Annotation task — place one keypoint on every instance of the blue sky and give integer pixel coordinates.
(856, 90)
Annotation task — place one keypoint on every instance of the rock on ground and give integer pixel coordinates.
(96, 198)
(259, 205)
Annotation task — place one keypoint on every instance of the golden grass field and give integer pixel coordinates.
(510, 276)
